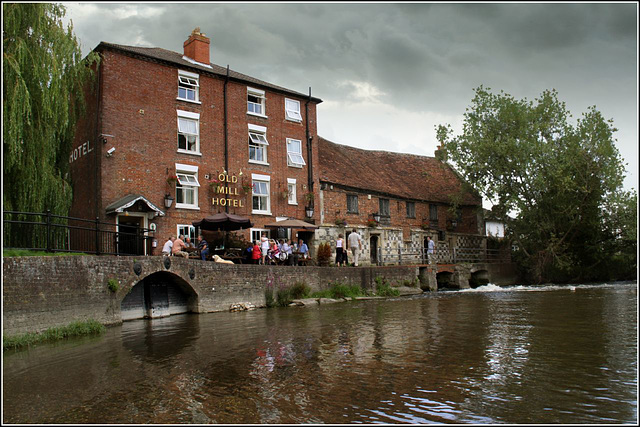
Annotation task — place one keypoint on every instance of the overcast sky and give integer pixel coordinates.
(388, 73)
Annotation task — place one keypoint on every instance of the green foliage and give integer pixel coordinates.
(113, 285)
(337, 290)
(43, 79)
(324, 254)
(384, 289)
(300, 290)
(528, 160)
(78, 328)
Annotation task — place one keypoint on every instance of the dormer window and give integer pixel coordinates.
(188, 85)
(256, 102)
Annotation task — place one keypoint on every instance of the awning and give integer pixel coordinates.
(293, 223)
(223, 222)
(130, 200)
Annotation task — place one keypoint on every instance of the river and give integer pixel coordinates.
(546, 354)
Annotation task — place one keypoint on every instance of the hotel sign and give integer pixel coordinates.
(226, 192)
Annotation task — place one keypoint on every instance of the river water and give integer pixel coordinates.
(546, 354)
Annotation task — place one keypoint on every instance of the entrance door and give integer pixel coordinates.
(130, 239)
(373, 245)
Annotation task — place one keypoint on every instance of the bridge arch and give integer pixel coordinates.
(479, 278)
(159, 294)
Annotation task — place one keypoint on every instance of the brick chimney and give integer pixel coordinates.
(197, 47)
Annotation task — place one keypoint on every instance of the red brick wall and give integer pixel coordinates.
(139, 108)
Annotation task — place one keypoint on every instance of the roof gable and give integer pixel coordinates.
(406, 176)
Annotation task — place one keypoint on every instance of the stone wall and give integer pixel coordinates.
(44, 292)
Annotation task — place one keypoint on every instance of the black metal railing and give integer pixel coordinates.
(55, 233)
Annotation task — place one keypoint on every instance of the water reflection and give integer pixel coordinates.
(551, 356)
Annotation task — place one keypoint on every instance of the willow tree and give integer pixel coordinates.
(556, 177)
(44, 74)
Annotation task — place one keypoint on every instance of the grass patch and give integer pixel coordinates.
(384, 289)
(79, 328)
(339, 290)
(27, 252)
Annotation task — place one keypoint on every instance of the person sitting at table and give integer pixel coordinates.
(303, 249)
(188, 243)
(178, 246)
(203, 248)
(273, 253)
(166, 249)
(288, 251)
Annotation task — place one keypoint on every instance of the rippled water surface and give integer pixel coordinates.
(546, 354)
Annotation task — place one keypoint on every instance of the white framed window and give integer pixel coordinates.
(256, 102)
(188, 86)
(291, 187)
(256, 234)
(187, 231)
(188, 132)
(258, 144)
(261, 200)
(294, 153)
(187, 186)
(292, 110)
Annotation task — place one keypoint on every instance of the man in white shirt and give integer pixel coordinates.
(354, 242)
(166, 249)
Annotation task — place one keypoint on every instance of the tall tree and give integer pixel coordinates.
(526, 158)
(44, 74)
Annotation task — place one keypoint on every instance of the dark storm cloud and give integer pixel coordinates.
(414, 57)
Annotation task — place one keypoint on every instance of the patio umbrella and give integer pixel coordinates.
(223, 222)
(292, 223)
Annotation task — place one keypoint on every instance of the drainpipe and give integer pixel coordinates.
(98, 144)
(226, 135)
(309, 140)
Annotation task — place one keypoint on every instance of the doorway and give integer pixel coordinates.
(130, 240)
(373, 249)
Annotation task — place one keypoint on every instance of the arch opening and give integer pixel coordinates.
(160, 294)
(479, 278)
(445, 280)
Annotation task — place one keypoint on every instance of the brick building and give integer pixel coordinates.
(170, 138)
(164, 127)
(410, 196)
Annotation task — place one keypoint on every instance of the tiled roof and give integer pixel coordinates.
(177, 59)
(402, 175)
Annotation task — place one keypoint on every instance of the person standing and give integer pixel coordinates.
(340, 250)
(203, 248)
(264, 247)
(431, 249)
(168, 245)
(178, 246)
(354, 243)
(256, 253)
(303, 249)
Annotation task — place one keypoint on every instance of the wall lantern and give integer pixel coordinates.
(454, 223)
(309, 211)
(168, 200)
(376, 217)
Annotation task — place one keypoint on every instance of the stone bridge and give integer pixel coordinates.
(43, 292)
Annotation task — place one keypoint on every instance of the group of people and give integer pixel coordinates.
(176, 247)
(271, 251)
(353, 244)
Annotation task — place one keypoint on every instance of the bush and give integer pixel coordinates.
(384, 289)
(339, 290)
(300, 290)
(324, 254)
(113, 285)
